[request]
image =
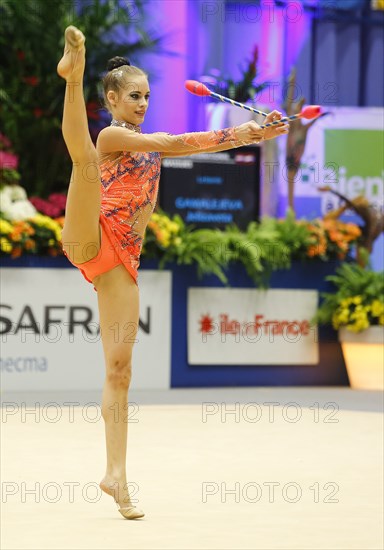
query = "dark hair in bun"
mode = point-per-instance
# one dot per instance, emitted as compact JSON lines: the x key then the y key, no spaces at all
{"x":117,"y":62}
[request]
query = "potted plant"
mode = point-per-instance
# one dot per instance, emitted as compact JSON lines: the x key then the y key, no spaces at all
{"x":245,"y":91}
{"x":356,"y":310}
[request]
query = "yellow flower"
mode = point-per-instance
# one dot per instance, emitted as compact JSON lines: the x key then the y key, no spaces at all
{"x":360,"y":325}
{"x":343,"y":315}
{"x":38,"y":218}
{"x":58,"y":233}
{"x":48,"y":223}
{"x":377,"y":308}
{"x":356,"y":300}
{"x":174,"y":228}
{"x":5,"y":245}
{"x":359,"y":314}
{"x":335,"y":321}
{"x":345,"y":302}
{"x":5,"y":227}
{"x":363,"y":324}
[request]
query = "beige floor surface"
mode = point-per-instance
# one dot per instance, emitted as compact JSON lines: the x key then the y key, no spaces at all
{"x":202,"y":484}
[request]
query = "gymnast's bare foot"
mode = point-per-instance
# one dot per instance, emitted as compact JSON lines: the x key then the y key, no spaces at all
{"x":119,"y":491}
{"x":71,"y":66}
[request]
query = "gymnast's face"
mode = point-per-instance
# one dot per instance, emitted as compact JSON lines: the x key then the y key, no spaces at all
{"x":132,"y":102}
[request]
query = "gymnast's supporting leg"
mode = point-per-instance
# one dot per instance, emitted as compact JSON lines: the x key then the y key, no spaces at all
{"x":118,"y":298}
{"x":81,"y":233}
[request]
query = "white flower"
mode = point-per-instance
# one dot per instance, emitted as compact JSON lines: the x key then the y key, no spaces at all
{"x":18,"y":193}
{"x":14,"y":203}
{"x":21,"y":210}
{"x":5,"y":198}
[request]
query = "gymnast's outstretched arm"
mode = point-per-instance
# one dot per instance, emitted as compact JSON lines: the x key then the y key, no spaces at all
{"x":114,"y":139}
{"x":214,"y":149}
{"x":267,"y":134}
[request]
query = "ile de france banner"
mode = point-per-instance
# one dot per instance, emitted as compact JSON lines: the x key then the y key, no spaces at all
{"x":252,"y":327}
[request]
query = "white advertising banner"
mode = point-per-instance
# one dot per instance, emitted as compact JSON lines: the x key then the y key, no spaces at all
{"x":343,"y":154}
{"x":344,"y":151}
{"x":50,"y":336}
{"x":251,"y":327}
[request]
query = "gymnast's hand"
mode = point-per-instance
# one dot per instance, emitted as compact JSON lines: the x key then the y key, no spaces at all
{"x":250,"y":132}
{"x":275,"y":131}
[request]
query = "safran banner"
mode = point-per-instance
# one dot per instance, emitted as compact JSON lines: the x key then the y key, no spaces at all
{"x":50,"y":335}
{"x":252,"y":327}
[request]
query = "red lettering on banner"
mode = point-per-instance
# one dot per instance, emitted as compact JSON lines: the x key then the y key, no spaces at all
{"x":304,"y":328}
{"x":266,"y":326}
{"x":229,"y":327}
{"x":206,"y":324}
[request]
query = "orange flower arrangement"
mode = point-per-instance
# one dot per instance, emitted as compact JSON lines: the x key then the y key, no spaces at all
{"x":318,"y":246}
{"x":331,"y":237}
{"x":37,"y":235}
{"x":60,"y":221}
{"x":169,"y":239}
{"x":340,"y":236}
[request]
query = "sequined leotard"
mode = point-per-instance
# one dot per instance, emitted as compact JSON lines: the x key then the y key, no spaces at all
{"x":129,"y":187}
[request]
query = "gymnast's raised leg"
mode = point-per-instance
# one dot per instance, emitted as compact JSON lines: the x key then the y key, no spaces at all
{"x":81,"y":239}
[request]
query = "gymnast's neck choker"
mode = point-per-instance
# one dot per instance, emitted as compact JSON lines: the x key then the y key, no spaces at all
{"x":126,"y":125}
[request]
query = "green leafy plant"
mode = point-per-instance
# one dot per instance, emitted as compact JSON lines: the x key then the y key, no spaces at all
{"x":265,"y":246}
{"x":258,"y":249}
{"x":31,"y":92}
{"x":296,"y":236}
{"x":171,"y":240}
{"x":242,"y":90}
{"x":358,"y":301}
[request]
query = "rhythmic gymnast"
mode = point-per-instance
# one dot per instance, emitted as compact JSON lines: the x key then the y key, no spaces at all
{"x":111,"y":196}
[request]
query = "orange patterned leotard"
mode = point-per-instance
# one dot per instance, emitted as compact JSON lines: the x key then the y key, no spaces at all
{"x":129,"y":187}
